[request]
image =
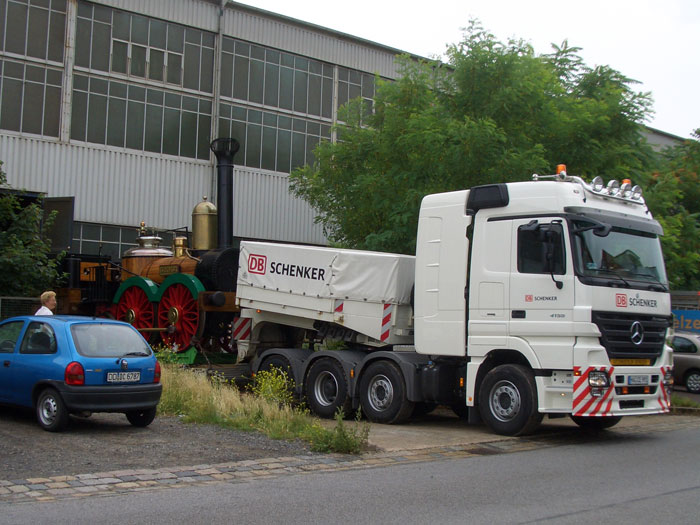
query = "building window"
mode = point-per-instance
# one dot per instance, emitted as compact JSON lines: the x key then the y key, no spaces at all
{"x":30,"y":98}
{"x":144,"y":48}
{"x":109,"y":240}
{"x":33,"y":28}
{"x":137,"y":117}
{"x":353,"y":84}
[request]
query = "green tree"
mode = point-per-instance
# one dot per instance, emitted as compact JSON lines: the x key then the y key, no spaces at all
{"x":674,"y":199}
{"x":26,"y":269}
{"x":496,"y":112}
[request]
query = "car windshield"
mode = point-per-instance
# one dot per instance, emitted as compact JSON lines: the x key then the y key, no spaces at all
{"x":622,"y":254}
{"x":108,"y":340}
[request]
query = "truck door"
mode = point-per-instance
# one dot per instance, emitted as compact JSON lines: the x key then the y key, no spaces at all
{"x":542,"y":290}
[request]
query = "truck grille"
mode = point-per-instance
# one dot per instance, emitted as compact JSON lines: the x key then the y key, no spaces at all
{"x":616,"y":334}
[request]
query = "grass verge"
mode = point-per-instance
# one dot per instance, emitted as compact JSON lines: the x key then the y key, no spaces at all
{"x":197,"y":398}
{"x":682,"y":402}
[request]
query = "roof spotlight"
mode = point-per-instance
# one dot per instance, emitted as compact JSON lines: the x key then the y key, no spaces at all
{"x":613,"y":187}
{"x":637,"y":193}
{"x":626,"y":189}
{"x":597,"y":184}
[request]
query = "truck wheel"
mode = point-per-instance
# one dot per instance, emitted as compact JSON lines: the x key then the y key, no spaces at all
{"x":327,"y":389}
{"x":508,"y":400}
{"x":51,"y":412}
{"x":279,"y":362}
{"x":383,"y":394}
{"x":596,"y":424}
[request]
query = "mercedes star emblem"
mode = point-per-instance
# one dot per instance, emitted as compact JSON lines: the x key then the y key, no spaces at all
{"x":637,"y":333}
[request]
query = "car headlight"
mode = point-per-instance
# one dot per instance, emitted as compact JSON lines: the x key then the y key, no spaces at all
{"x":598,"y":379}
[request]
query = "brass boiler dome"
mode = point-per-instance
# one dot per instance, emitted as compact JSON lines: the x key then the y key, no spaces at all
{"x":148,"y":250}
{"x":204,"y":226}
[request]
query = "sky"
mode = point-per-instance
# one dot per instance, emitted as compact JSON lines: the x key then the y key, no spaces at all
{"x":655,"y":43}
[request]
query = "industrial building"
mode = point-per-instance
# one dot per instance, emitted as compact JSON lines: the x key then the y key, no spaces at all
{"x":112,"y":104}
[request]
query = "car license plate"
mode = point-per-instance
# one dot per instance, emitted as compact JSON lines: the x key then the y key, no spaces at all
{"x":637,"y":380}
{"x":123,"y":377}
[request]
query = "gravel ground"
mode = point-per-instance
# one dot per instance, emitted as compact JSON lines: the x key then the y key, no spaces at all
{"x":106,"y":442}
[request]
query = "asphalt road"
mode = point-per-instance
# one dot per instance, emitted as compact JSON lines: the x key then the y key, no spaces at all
{"x":650,"y":476}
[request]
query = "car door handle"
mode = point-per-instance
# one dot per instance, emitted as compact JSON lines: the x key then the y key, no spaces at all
{"x":6,"y":363}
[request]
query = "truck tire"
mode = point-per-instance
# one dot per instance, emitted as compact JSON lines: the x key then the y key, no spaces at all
{"x":596,"y":424}
{"x":383,"y":394}
{"x":508,"y":400}
{"x":327,"y":389}
{"x":279,"y":362}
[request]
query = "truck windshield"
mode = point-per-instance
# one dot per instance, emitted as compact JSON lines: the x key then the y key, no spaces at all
{"x":630,"y":258}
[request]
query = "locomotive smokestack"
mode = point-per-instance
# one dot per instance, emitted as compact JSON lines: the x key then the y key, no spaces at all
{"x":225,"y":149}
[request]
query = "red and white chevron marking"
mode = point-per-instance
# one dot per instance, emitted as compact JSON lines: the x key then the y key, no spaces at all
{"x":664,"y":397}
{"x":386,"y":321}
{"x":241,"y":328}
{"x":339,"y":304}
{"x":584,"y":403}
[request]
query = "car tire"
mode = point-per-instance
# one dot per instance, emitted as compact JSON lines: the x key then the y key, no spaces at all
{"x":508,"y":400}
{"x":692,"y":381}
{"x":327,"y":389}
{"x":141,"y":418}
{"x":51,"y":412}
{"x":596,"y":424}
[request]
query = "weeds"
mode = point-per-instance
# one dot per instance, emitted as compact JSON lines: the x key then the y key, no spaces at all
{"x":683,"y":402}
{"x":197,"y":398}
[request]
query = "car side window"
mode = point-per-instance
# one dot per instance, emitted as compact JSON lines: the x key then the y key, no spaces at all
{"x":683,"y":346}
{"x":39,"y":339}
{"x":9,"y":333}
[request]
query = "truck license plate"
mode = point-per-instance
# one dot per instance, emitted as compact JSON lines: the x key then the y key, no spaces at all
{"x":637,"y":380}
{"x":123,"y":377}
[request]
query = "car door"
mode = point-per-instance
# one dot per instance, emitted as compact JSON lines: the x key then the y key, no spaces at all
{"x":685,"y":357}
{"x":10,"y":332}
{"x":35,"y":361}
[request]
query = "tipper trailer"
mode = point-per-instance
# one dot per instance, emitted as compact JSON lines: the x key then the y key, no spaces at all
{"x":523,"y":299}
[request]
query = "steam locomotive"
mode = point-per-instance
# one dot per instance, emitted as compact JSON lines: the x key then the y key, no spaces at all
{"x":183,"y":296}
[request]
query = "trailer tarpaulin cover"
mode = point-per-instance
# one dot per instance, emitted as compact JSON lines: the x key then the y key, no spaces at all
{"x":327,"y":272}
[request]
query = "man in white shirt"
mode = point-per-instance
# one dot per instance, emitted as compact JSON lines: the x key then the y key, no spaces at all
{"x":48,"y":303}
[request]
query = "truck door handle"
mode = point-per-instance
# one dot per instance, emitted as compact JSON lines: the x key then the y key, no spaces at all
{"x":518,"y":314}
{"x":6,"y":363}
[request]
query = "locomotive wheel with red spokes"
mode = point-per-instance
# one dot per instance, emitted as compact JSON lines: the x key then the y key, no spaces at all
{"x":178,"y":309}
{"x":135,"y":308}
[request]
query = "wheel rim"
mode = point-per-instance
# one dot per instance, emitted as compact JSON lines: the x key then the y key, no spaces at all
{"x":326,"y":388}
{"x":381,"y":393}
{"x":693,"y":382}
{"x":48,"y":410}
{"x":178,"y":309}
{"x":504,"y":401}
{"x":135,"y":308}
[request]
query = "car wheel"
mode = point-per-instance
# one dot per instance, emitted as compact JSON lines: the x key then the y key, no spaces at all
{"x":327,"y":389}
{"x":51,"y":412}
{"x":692,"y":381}
{"x":508,"y":400}
{"x":141,"y":418}
{"x":596,"y":424}
{"x":383,"y":394}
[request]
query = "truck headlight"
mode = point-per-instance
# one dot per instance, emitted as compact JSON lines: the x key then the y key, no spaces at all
{"x":598,"y":379}
{"x":668,"y":381}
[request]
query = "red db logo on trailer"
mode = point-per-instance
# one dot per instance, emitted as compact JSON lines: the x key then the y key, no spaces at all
{"x":257,"y":264}
{"x":621,"y":300}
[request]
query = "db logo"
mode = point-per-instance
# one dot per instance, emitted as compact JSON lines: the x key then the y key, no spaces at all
{"x":257,"y":264}
{"x":621,"y":300}
{"x":528,"y":298}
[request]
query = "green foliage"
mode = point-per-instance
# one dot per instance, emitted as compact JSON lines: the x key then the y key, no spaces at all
{"x":274,"y":385}
{"x":196,"y":397}
{"x":25,"y":266}
{"x":496,"y":113}
{"x":682,"y":402}
{"x":674,"y":199}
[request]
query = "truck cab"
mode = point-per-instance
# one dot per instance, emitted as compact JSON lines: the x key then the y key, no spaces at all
{"x":557,"y":286}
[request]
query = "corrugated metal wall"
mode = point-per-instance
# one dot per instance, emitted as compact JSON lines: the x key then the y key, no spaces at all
{"x":271,"y":30}
{"x":122,"y":187}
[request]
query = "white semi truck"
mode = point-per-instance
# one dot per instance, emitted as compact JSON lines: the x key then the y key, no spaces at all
{"x":523,"y":299}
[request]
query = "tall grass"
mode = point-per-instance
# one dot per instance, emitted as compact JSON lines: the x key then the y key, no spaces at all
{"x":197,"y":398}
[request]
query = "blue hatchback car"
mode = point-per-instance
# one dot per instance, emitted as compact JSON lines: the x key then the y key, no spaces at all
{"x":61,"y":365}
